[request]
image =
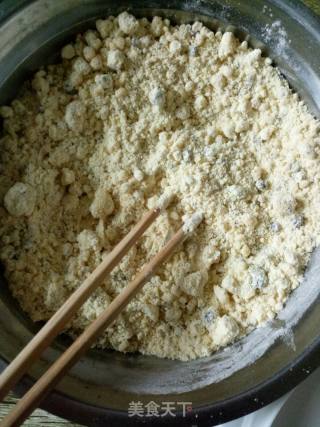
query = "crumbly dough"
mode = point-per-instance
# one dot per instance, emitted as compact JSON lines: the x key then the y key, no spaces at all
{"x":137,"y":109}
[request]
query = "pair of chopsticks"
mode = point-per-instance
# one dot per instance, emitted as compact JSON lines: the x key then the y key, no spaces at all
{"x":24,"y":360}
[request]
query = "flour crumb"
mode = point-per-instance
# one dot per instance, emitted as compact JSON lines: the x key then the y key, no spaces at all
{"x":115,"y":59}
{"x":20,"y":199}
{"x":102,"y":205}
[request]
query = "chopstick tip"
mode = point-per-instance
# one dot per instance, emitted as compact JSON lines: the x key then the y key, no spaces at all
{"x":164,"y":200}
{"x":192,"y":222}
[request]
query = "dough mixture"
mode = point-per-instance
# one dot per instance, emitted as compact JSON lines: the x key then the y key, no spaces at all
{"x":139,"y":108}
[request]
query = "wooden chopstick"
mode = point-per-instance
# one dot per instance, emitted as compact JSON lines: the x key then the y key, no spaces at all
{"x":54,"y":374}
{"x":23,"y":361}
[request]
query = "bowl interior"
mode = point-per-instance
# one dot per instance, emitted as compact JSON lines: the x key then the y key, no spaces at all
{"x":254,"y":367}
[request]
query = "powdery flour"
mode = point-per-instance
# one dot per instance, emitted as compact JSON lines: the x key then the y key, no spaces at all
{"x":137,"y":109}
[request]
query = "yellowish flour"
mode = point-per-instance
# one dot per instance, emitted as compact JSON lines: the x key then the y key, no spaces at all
{"x":134,"y":110}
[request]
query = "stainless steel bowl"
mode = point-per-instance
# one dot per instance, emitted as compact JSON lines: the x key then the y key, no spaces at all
{"x":255,"y":370}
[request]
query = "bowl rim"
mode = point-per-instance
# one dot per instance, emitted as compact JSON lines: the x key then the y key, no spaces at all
{"x":249,"y":401}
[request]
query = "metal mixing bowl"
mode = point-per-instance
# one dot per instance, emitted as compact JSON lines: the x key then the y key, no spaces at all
{"x":253,"y":371}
